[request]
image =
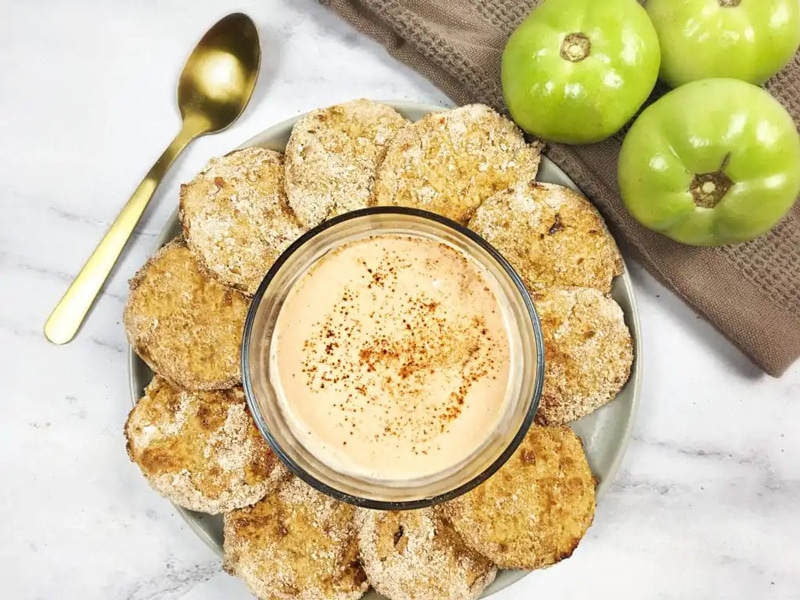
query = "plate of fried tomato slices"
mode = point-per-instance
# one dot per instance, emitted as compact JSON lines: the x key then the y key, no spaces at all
{"x":194,"y":440}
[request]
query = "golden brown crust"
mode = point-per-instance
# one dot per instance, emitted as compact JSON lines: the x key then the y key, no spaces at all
{"x":332,"y":156}
{"x":186,"y":327}
{"x":551,"y":235}
{"x":200,"y":449}
{"x":535,"y":510}
{"x":450,"y":162}
{"x":295,"y":544}
{"x":416,"y":554}
{"x":588,"y":352}
{"x":235,"y":216}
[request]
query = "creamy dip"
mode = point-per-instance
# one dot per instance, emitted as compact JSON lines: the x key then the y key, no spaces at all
{"x":390,"y":357}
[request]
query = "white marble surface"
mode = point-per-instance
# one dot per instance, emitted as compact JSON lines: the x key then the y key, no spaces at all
{"x":706,"y":503}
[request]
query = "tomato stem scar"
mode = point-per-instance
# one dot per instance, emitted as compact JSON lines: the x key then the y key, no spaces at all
{"x":575,"y":47}
{"x":708,"y":189}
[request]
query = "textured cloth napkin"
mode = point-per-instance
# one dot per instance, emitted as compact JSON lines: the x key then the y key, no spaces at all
{"x":751,"y":292}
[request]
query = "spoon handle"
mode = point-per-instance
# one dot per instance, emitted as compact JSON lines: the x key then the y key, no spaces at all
{"x":69,"y":313}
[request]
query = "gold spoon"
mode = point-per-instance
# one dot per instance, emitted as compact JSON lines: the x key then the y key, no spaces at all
{"x":215,"y":86}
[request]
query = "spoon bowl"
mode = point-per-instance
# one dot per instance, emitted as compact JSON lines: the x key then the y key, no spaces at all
{"x":220,"y":75}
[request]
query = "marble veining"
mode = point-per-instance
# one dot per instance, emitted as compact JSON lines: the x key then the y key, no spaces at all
{"x":705,"y":505}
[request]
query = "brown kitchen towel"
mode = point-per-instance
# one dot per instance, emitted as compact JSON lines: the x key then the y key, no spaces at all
{"x":751,"y":292}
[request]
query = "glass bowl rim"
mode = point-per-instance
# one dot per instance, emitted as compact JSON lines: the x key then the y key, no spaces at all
{"x":323,"y":487}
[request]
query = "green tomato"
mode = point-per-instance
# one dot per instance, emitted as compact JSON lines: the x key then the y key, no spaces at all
{"x":575,"y":71}
{"x":713,"y":162}
{"x":743,"y":39}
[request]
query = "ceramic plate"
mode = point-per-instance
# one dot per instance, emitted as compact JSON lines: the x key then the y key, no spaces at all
{"x":605,"y":433}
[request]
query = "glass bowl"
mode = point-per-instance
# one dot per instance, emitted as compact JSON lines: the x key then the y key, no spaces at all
{"x":526,"y":368}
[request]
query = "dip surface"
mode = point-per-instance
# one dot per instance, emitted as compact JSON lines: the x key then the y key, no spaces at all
{"x":390,"y":357}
